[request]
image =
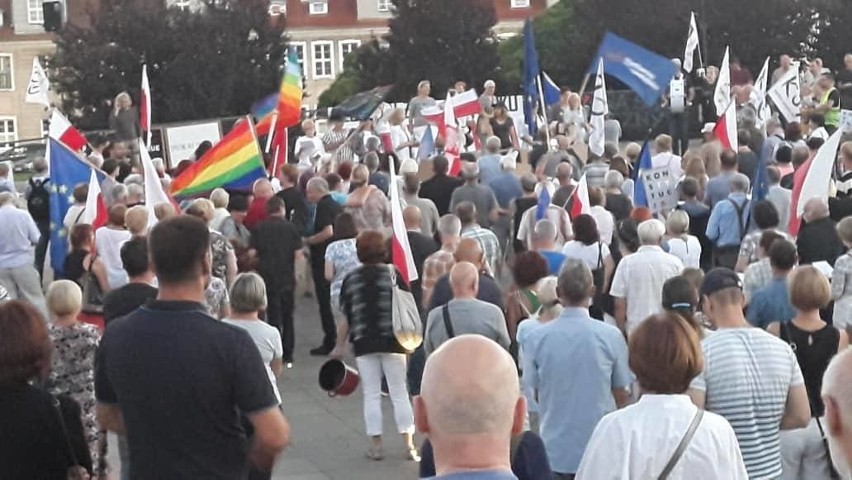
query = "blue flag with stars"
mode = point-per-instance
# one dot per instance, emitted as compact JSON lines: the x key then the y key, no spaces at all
{"x":67,"y":171}
{"x":531,"y":72}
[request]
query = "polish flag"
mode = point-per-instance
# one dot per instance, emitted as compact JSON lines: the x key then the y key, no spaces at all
{"x":383,"y":130}
{"x":726,"y":128}
{"x":466,"y":104}
{"x":580,"y":199}
{"x":433,"y":114}
{"x":450,"y":133}
{"x":813,"y":180}
{"x":154,"y":192}
{"x":95,"y":213}
{"x":279,"y":151}
{"x":403,"y":260}
{"x":60,"y":129}
{"x":145,"y":105}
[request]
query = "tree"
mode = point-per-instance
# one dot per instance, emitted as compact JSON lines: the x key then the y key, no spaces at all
{"x":206,"y":64}
{"x":834,"y":37}
{"x":439,"y":40}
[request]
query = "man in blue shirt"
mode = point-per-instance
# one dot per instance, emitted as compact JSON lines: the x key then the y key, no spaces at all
{"x":544,"y":242}
{"x":17,"y":237}
{"x":507,"y":188}
{"x":489,"y":162}
{"x":719,"y":186}
{"x":771,"y":303}
{"x":578,"y":368}
{"x":728,"y":223}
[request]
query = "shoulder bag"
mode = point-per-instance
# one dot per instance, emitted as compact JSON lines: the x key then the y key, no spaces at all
{"x":93,"y":296}
{"x":407,"y":327}
{"x":448,"y":324}
{"x":684,"y":442}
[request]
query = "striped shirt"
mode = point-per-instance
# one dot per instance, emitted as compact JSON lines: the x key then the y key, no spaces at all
{"x":747,"y":376}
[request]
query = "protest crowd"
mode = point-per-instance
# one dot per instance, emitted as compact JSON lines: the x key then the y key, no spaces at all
{"x":588,"y":308}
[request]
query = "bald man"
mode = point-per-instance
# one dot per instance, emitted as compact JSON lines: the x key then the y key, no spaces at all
{"x":469,"y":407}
{"x":468,"y":250}
{"x":837,"y":396}
{"x":818,"y":240}
{"x":421,"y":245}
{"x":465,"y":314}
{"x":262,"y":191}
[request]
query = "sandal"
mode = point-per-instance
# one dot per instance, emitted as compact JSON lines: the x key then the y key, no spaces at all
{"x":413,"y":455}
{"x":375,"y":453}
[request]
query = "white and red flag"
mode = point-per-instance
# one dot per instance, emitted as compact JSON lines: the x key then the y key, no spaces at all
{"x":726,"y":127}
{"x":60,"y":129}
{"x":95,"y":213}
{"x":154,"y":192}
{"x":145,"y":105}
{"x":449,"y":130}
{"x":580,"y":204}
{"x":403,"y":260}
{"x":813,"y":180}
{"x":722,"y":94}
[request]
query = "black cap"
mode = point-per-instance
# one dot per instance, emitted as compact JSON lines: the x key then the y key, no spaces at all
{"x":719,"y":279}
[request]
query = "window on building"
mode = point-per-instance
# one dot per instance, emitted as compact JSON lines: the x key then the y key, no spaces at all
{"x":347,"y":47}
{"x":520,"y":3}
{"x":384,"y":5}
{"x":300,"y":50}
{"x":35,"y":14}
{"x":322,"y":58}
{"x":318,"y":7}
{"x":8,"y":131}
{"x":6,"y":75}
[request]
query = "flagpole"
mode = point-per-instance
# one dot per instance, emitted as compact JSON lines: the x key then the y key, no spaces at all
{"x":271,"y":132}
{"x":543,"y":106}
{"x":583,"y":86}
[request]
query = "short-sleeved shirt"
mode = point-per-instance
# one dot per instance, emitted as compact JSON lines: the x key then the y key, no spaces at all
{"x":489,"y":292}
{"x":481,"y":196}
{"x":467,"y":316}
{"x":574,"y":363}
{"x":182,"y":379}
{"x":326,"y":212}
{"x":748,"y":247}
{"x":276,"y":241}
{"x":366,"y":300}
{"x":747,"y":376}
{"x":268,"y":341}
{"x":216,"y":297}
{"x":592,"y":255}
{"x":639,"y":279}
{"x":123,"y":300}
{"x":344,"y":256}
{"x":769,"y":304}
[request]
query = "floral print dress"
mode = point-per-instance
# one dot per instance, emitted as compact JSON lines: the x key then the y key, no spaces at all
{"x":72,"y":373}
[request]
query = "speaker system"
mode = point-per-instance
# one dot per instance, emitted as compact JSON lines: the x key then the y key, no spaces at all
{"x":52,"y":13}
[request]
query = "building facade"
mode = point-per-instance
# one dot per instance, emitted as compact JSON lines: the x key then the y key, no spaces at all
{"x":325,"y":31}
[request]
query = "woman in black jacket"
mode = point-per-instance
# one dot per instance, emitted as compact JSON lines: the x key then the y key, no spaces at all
{"x":42,"y":434}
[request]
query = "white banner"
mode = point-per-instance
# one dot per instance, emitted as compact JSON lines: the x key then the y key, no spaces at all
{"x":660,"y":189}
{"x":758,"y":96}
{"x":38,"y":89}
{"x":599,"y":110}
{"x":786,"y":96}
{"x":182,"y":141}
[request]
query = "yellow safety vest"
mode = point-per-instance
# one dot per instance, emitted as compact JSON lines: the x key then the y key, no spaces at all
{"x":832,"y":117}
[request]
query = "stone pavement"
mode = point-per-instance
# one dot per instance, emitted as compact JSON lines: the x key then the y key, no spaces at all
{"x":328,"y":439}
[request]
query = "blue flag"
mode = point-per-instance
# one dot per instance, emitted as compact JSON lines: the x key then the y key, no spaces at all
{"x":264,"y":106}
{"x":640,"y":197}
{"x":761,"y":181}
{"x":427,"y":145}
{"x":531,"y":72}
{"x":67,"y":171}
{"x":550,"y":90}
{"x":543,"y":202}
{"x":645,"y":72}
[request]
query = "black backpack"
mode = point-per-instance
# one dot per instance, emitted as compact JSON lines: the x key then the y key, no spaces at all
{"x":38,"y":201}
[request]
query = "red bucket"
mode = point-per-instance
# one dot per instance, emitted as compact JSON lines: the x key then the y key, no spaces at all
{"x":337,"y":378}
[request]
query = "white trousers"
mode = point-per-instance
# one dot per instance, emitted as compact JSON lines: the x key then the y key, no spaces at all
{"x":372,"y":367}
{"x":23,"y":283}
{"x":803,"y":455}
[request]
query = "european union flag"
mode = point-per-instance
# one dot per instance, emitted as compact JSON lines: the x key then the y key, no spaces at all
{"x":543,"y":202}
{"x":640,"y":197}
{"x":645,"y":72}
{"x":550,"y":90}
{"x":67,"y":171}
{"x":531,"y":72}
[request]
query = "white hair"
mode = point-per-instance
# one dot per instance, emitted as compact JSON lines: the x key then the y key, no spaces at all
{"x":651,"y":232}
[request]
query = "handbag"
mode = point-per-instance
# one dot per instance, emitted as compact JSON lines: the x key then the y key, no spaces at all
{"x":93,"y":296}
{"x":684,"y":442}
{"x":77,"y":471}
{"x":407,"y":327}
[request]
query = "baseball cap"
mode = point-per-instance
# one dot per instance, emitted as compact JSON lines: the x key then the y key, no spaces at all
{"x":719,"y":279}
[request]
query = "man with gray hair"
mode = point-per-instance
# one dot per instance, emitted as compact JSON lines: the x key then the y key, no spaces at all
{"x":728,"y":223}
{"x":575,"y":364}
{"x":489,"y":162}
{"x":555,"y":213}
{"x":469,"y":408}
{"x":466,"y":211}
{"x":119,"y":194}
{"x":439,"y":263}
{"x":837,"y":397}
{"x":480,"y":195}
{"x":379,"y":179}
{"x":544,"y":242}
{"x":326,"y":212}
{"x":135,"y":195}
{"x":428,"y":211}
{"x":638,"y":282}
{"x":818,"y":239}
{"x":18,"y":235}
{"x":619,"y":204}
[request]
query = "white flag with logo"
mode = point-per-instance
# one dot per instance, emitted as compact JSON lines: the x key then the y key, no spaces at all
{"x":786,"y":96}
{"x":38,"y":90}
{"x":722,"y":95}
{"x":758,"y":96}
{"x":600,"y":108}
{"x":691,"y":44}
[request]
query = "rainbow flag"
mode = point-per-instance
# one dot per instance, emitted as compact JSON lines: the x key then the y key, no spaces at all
{"x":290,"y":93}
{"x":234,"y":164}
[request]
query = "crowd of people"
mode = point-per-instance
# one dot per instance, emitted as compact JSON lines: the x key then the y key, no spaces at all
{"x":704,"y":341}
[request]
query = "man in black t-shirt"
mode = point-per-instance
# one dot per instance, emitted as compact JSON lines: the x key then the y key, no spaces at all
{"x":440,"y":187}
{"x":179,"y":381}
{"x":276,"y":243}
{"x":326,"y":212}
{"x":138,"y":291}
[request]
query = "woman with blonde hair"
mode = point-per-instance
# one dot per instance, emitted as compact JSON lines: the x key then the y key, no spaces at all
{"x":72,"y":369}
{"x":124,"y":121}
{"x":681,"y":244}
{"x":136,"y":221}
{"x":220,"y":198}
{"x":224,"y":264}
{"x":693,"y":166}
{"x":403,"y":143}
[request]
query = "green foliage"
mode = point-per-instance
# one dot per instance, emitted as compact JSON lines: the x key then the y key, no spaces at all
{"x":200,"y":65}
{"x":835,"y":36}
